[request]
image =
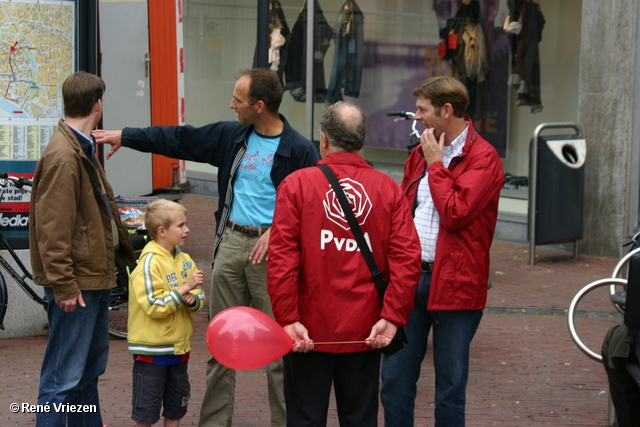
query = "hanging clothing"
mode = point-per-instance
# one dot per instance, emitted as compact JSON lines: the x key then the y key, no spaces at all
{"x":277,"y":40}
{"x":525,"y":60}
{"x":278,"y":35}
{"x":296,"y":67}
{"x":464,"y":43}
{"x":476,"y":61}
{"x":346,"y":71}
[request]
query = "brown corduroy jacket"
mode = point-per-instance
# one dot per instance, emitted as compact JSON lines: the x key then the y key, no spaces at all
{"x":70,"y":233}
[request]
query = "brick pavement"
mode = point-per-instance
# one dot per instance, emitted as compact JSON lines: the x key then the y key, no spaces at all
{"x":525,"y":370}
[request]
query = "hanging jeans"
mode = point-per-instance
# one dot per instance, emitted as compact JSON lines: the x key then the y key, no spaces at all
{"x":346,"y":71}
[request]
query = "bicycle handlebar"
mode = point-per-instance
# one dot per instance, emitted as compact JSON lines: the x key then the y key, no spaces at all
{"x":414,"y":136}
{"x":18,"y":182}
{"x":407,"y":115}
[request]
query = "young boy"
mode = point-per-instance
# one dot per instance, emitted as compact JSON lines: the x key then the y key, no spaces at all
{"x":164,"y":289}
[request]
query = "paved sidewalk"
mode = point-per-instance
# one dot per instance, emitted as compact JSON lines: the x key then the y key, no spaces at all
{"x":525,"y":369}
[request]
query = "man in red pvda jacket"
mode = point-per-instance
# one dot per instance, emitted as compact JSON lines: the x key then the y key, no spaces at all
{"x":320,"y":286}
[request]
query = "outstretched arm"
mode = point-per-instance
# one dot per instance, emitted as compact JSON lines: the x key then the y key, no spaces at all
{"x":111,"y":137}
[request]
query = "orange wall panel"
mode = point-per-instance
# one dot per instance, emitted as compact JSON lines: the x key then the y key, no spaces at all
{"x":164,"y":79}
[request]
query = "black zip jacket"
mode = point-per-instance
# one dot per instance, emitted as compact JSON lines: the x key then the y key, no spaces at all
{"x":222,"y":144}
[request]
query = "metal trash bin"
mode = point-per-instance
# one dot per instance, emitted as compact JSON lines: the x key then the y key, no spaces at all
{"x":556,"y":191}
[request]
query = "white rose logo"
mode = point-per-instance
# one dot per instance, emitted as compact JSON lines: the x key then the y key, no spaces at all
{"x":358,"y":200}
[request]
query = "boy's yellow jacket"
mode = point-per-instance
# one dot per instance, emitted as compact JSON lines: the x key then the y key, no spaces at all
{"x":159,"y":320}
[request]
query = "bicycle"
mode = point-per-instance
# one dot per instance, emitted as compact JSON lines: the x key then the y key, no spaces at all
{"x":119,"y":295}
{"x":414,"y":136}
{"x":618,"y":299}
{"x":615,"y":282}
{"x":119,"y":302}
{"x":21,"y":279}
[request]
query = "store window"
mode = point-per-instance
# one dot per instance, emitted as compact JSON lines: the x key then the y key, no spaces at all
{"x":399,"y":49}
{"x":559,"y":58}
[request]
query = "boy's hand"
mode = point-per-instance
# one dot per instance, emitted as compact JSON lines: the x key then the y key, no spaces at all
{"x":196,"y":279}
{"x":189,"y":299}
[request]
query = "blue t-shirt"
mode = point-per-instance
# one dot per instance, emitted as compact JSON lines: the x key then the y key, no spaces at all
{"x":254,"y":193}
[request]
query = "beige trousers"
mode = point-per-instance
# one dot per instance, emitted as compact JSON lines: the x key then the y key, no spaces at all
{"x":236,"y":282}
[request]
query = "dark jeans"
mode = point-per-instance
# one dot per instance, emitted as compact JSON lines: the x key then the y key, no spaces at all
{"x":452,"y":335}
{"x":76,"y":355}
{"x":307,"y":387}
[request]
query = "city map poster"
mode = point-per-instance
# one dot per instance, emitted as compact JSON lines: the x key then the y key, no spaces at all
{"x":37,"y":53}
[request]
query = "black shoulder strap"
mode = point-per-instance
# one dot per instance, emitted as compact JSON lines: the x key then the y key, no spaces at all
{"x":355,"y":229}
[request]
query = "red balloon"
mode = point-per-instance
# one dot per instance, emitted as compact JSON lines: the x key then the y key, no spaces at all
{"x":244,"y":338}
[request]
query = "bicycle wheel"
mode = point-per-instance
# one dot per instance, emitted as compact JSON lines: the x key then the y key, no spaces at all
{"x":621,"y":269}
{"x":118,"y":304}
{"x":571,"y":314}
{"x":4,"y":299}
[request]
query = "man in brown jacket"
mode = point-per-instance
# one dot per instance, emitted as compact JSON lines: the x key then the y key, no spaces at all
{"x":75,"y":233}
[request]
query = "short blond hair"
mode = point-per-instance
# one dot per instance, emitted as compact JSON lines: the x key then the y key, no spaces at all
{"x":161,"y":213}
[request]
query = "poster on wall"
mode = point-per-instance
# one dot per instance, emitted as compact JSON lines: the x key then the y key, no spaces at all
{"x":37,"y":52}
{"x":15,"y":202}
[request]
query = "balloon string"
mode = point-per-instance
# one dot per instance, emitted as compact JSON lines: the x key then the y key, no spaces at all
{"x":339,"y":342}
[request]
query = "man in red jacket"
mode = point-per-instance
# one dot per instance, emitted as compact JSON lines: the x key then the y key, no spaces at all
{"x":321,"y":289}
{"x":452,"y":180}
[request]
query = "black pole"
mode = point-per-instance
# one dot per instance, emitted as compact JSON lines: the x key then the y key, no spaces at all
{"x":87,"y":13}
{"x":88,"y":45}
{"x":262,"y":46}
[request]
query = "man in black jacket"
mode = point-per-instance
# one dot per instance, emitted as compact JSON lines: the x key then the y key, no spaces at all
{"x":253,"y":156}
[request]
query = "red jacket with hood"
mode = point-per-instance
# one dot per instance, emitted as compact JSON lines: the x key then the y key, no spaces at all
{"x":316,"y":273}
{"x":466,"y":197}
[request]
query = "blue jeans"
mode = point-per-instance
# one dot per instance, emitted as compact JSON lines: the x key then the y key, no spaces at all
{"x":452,"y":335}
{"x":76,"y":355}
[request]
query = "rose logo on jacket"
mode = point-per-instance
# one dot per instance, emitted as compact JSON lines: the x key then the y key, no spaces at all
{"x":358,"y":199}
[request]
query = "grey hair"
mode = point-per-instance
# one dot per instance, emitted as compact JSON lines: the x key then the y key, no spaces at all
{"x":345,"y":126}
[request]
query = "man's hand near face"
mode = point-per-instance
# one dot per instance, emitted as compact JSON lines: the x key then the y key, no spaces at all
{"x":433,"y":149}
